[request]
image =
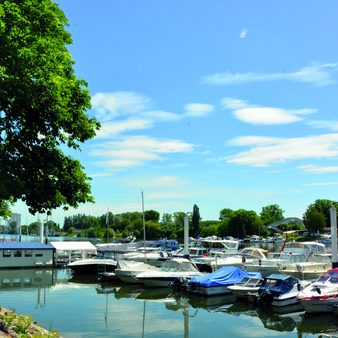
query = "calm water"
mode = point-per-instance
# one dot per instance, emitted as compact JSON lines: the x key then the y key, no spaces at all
{"x":82,"y":307}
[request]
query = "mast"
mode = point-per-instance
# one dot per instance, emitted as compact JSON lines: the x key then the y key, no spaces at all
{"x":144,"y":227}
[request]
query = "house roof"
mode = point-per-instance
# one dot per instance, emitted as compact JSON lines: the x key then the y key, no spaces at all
{"x":25,"y":246}
{"x":73,"y":245}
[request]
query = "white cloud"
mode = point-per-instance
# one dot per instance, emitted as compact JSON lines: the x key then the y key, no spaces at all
{"x":322,"y":184}
{"x":316,"y":74}
{"x":198,"y":109}
{"x":331,"y":125}
{"x":108,"y":106}
{"x":259,"y":115}
{"x":161,"y":115}
{"x":319,"y":170}
{"x":135,"y":151}
{"x":112,"y":129}
{"x":243,"y":33}
{"x":282,"y":150}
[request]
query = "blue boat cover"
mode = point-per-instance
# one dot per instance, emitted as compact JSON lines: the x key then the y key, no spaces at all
{"x":228,"y":275}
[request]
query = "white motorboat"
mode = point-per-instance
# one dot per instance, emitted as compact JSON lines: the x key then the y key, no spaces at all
{"x":216,"y":260}
{"x":293,"y":253}
{"x":312,"y":269}
{"x":322,"y":295}
{"x":154,"y":257}
{"x":247,"y":288}
{"x":169,"y":273}
{"x":280,"y":290}
{"x":127,"y":270}
{"x":103,"y":262}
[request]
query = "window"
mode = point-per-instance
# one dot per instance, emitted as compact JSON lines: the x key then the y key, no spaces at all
{"x":7,"y":253}
{"x":17,"y":253}
{"x":38,"y":255}
{"x":28,"y":253}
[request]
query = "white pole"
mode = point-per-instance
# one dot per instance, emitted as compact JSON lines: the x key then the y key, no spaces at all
{"x":41,"y":231}
{"x":333,"y":217}
{"x":186,"y":235}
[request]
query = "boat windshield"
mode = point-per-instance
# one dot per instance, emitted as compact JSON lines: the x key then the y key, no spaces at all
{"x":329,"y":276}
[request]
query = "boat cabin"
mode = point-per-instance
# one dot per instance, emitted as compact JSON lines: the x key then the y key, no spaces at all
{"x":26,"y":255}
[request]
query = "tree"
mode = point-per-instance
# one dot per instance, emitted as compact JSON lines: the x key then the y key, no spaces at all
{"x":243,"y":223}
{"x":314,"y":220}
{"x":195,"y":221}
{"x":323,"y":206}
{"x":225,"y":213}
{"x":151,"y":215}
{"x":271,"y":213}
{"x":42,"y":108}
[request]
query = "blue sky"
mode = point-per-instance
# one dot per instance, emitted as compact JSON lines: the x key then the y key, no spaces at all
{"x":223,"y":104}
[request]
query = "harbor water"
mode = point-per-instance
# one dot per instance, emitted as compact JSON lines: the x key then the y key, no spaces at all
{"x":80,"y":306}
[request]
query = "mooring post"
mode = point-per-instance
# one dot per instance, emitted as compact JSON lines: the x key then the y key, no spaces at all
{"x":333,"y":217}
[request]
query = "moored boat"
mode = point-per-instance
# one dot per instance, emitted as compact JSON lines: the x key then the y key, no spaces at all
{"x":321,"y":295}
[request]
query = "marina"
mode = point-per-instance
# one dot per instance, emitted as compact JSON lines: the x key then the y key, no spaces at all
{"x":80,"y":306}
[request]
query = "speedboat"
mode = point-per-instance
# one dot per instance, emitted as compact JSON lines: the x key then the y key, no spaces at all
{"x":171,"y":270}
{"x":217,"y":283}
{"x":247,"y":288}
{"x":215,"y":261}
{"x":322,"y":295}
{"x":280,"y":290}
{"x":103,"y":262}
{"x":127,"y":270}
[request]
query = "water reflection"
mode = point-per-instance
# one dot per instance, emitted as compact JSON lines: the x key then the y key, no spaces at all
{"x":113,"y":309}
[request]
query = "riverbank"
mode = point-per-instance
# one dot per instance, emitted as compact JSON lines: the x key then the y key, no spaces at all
{"x":15,"y":325}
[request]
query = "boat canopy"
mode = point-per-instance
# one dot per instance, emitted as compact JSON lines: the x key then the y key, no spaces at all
{"x":228,"y":275}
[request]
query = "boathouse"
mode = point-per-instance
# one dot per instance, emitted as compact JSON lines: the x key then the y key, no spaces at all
{"x":26,"y":255}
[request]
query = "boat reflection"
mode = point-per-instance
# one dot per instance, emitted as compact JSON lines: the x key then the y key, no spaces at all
{"x":26,"y":278}
{"x":317,"y":323}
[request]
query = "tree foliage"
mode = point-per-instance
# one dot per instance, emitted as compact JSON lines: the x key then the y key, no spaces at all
{"x":42,"y":107}
{"x":195,"y":221}
{"x":271,"y":213}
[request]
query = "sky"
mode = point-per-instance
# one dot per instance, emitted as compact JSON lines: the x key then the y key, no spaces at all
{"x":222,"y":104}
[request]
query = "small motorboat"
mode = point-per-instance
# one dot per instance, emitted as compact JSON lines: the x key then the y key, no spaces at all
{"x":165,"y":276}
{"x":280,"y":290}
{"x":127,"y":270}
{"x":322,"y":295}
{"x":217,"y":283}
{"x":247,"y":288}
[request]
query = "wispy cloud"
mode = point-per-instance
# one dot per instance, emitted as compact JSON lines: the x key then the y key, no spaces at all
{"x":112,"y":129}
{"x":160,"y":115}
{"x":198,"y":109}
{"x":135,"y":151}
{"x":109,"y":106}
{"x":260,"y":115}
{"x":313,"y":169}
{"x":243,"y":34}
{"x":316,"y":74}
{"x":286,"y":149}
{"x":322,"y":184}
{"x":330,"y":125}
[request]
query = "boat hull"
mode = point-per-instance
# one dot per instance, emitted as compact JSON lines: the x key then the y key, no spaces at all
{"x":320,"y":305}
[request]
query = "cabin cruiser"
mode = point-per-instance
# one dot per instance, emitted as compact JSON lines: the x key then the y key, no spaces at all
{"x":217,"y":283}
{"x":312,"y":268}
{"x":322,"y":295}
{"x":292,"y":253}
{"x":217,"y":244}
{"x":170,"y":271}
{"x":280,"y":290}
{"x":216,"y":260}
{"x":103,"y":262}
{"x":126,"y":270}
{"x":247,"y":288}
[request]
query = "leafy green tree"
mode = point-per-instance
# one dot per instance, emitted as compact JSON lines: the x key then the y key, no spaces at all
{"x":271,"y":213}
{"x":244,"y":222}
{"x":323,"y":206}
{"x":151,"y":215}
{"x":42,"y":109}
{"x":314,"y":220}
{"x":195,"y":221}
{"x":225,"y":213}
